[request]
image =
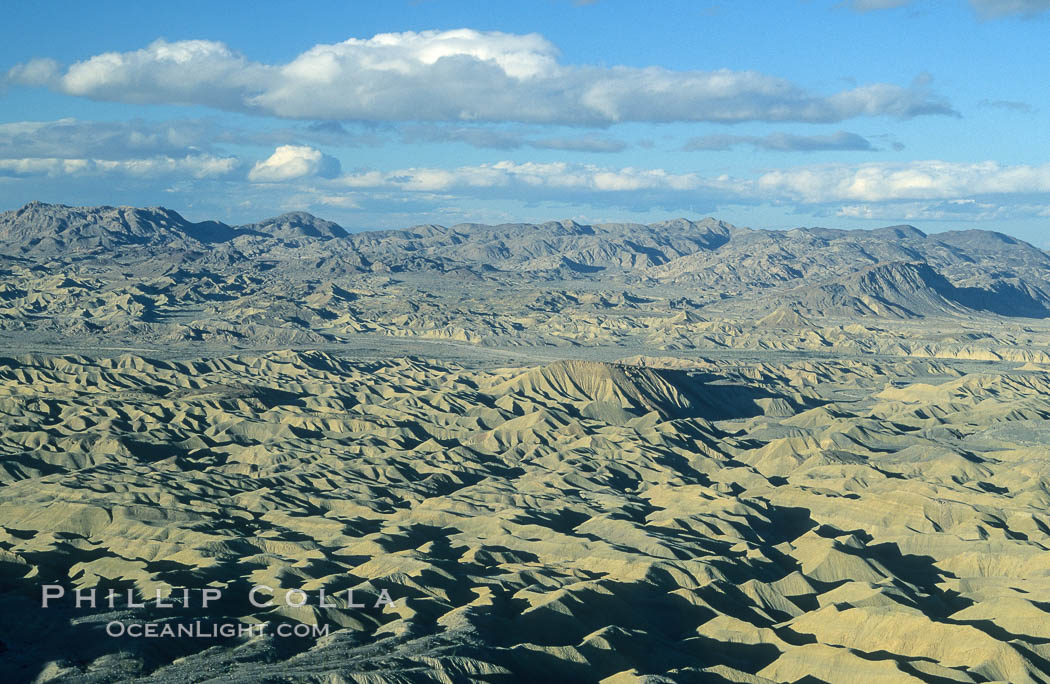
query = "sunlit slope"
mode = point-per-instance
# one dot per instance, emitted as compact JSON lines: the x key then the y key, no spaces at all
{"x":578,"y":521}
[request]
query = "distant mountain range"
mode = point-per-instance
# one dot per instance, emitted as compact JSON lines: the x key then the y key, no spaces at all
{"x":301,"y":277}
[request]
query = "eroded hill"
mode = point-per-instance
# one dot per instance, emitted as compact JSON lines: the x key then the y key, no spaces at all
{"x":578,"y":521}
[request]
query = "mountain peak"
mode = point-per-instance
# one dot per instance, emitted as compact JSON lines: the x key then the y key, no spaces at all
{"x":296,"y":225}
{"x":38,"y":227}
{"x":901,"y":232}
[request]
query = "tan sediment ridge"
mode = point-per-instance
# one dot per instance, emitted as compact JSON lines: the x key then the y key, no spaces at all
{"x":574,"y":521}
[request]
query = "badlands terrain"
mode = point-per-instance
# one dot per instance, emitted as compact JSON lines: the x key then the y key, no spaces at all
{"x":683,"y":451}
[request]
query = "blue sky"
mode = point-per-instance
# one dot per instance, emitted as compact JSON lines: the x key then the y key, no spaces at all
{"x":387,"y":114}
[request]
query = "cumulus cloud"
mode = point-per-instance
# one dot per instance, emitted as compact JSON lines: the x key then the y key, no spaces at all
{"x":136,"y":139}
{"x":182,"y":72}
{"x":289,"y":162}
{"x":632,"y":188}
{"x":817,"y":184}
{"x":879,"y":182}
{"x":35,"y":72}
{"x":916,"y":190}
{"x":922,"y":189}
{"x":460,"y":75}
{"x":783,"y":142}
{"x":550,"y":175}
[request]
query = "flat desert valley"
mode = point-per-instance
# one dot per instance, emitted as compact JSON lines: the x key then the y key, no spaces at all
{"x":675,"y":452}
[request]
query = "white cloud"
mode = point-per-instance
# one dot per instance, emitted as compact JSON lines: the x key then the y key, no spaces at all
{"x":461,"y":75}
{"x":917,"y":189}
{"x":959,"y":210}
{"x":195,"y":166}
{"x":871,"y":182}
{"x":289,"y":162}
{"x":135,"y":139}
{"x":183,"y":72}
{"x":879,"y":182}
{"x":35,"y":72}
{"x":910,"y":191}
{"x":922,"y":190}
{"x":341,"y":201}
{"x":533,"y":175}
{"x":822,"y":184}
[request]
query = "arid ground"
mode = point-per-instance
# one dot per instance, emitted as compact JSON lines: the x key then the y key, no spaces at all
{"x":683,"y":451}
